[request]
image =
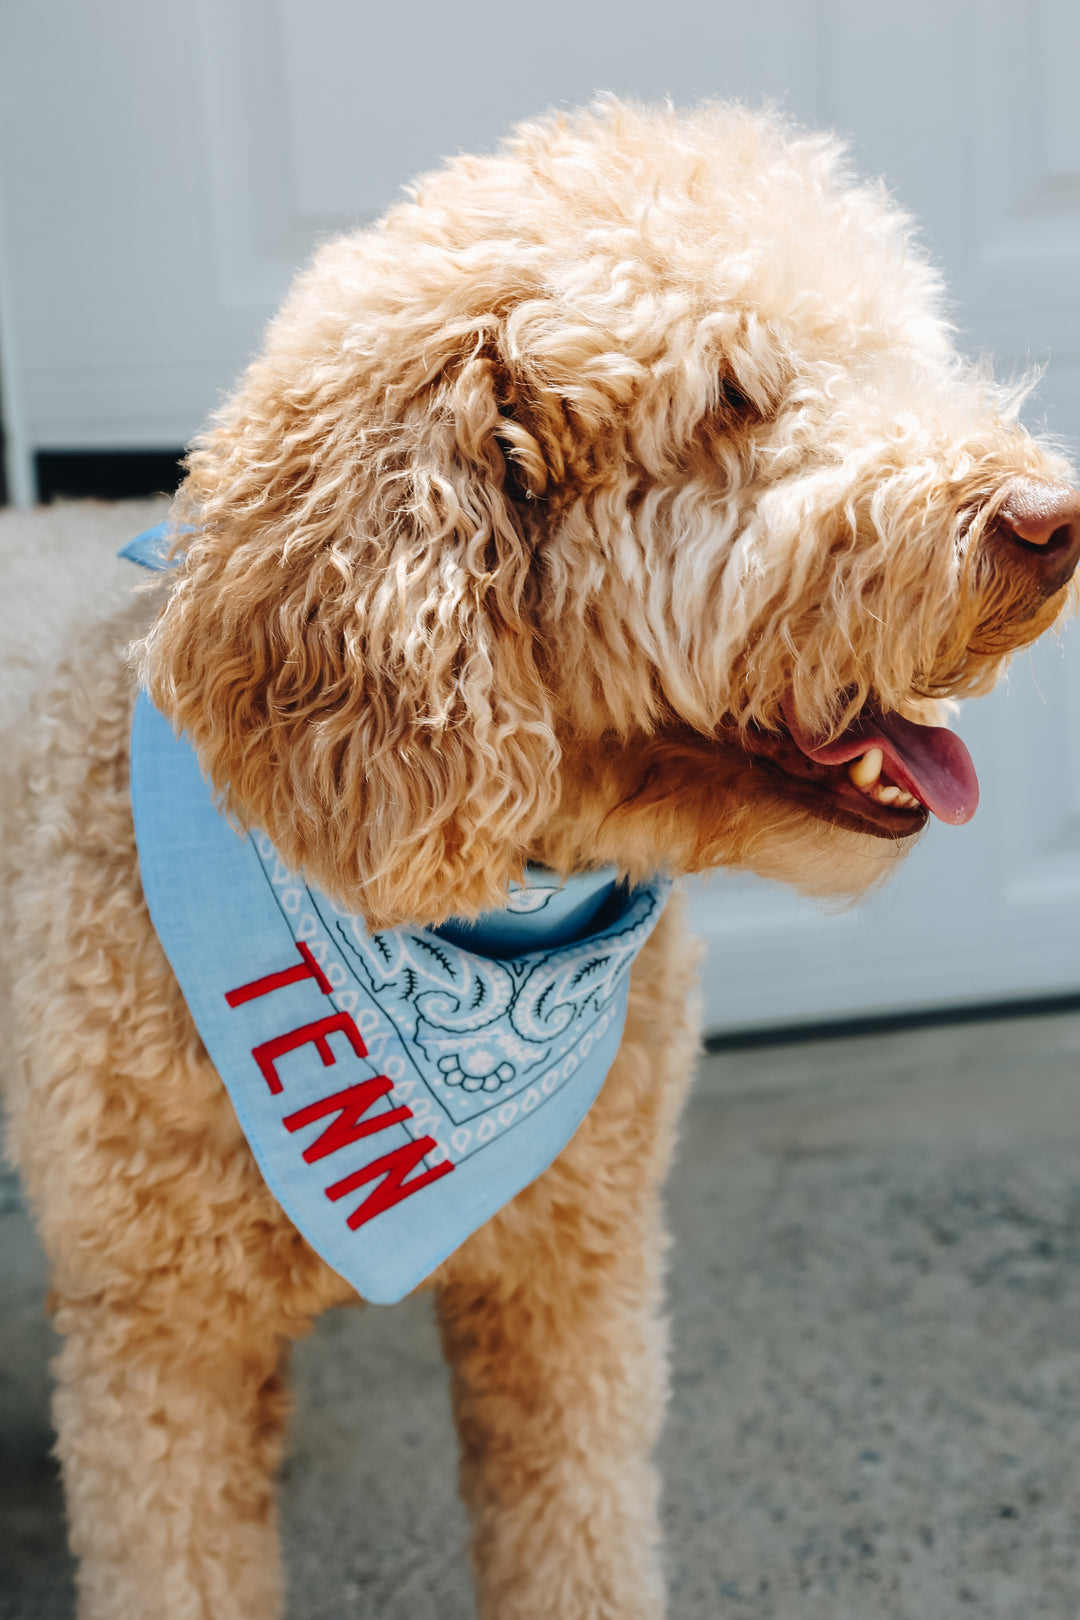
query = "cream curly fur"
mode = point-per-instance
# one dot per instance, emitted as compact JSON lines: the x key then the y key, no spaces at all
{"x":544,"y":497}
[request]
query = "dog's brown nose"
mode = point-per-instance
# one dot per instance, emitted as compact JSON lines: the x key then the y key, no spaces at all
{"x":1038,"y":523}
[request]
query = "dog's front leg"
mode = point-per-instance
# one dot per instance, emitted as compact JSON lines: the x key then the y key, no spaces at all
{"x":169,"y":1435}
{"x":552,"y":1324}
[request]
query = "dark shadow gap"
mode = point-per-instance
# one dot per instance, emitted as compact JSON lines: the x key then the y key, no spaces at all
{"x":106,"y":475}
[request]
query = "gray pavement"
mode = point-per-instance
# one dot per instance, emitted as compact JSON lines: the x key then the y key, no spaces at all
{"x":876,"y":1411}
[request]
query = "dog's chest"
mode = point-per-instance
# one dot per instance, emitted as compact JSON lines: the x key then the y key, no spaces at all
{"x":396,"y":1088}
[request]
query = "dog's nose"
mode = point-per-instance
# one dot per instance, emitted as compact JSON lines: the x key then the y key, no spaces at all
{"x":1038,"y":525}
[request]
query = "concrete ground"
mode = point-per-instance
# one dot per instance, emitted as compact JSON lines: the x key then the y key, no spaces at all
{"x":876,"y":1409}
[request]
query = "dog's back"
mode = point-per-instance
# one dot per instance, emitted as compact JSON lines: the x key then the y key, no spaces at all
{"x":59,"y":575}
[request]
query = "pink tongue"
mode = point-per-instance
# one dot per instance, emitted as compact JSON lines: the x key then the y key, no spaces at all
{"x":929,"y":761}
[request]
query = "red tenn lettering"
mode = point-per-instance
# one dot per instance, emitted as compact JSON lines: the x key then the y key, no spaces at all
{"x":306,"y":969}
{"x":393,"y":1167}
{"x":268,"y":1052}
{"x":348,"y":1127}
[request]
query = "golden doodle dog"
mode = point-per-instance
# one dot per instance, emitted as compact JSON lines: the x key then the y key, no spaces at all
{"x":618,"y":502}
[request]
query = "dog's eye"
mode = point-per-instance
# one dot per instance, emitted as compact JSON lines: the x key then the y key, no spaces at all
{"x":524,"y":471}
{"x":733,"y":403}
{"x":732,"y":413}
{"x":514,"y":482}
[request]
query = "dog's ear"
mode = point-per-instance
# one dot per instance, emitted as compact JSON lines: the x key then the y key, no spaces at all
{"x":350,"y":644}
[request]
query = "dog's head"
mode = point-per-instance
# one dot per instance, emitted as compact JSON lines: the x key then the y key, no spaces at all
{"x":609,"y":501}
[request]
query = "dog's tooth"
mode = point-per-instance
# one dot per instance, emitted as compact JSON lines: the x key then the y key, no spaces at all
{"x":908,"y":800}
{"x":888,"y":795}
{"x":866,"y":770}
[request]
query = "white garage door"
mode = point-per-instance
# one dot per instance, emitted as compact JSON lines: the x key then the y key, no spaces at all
{"x":165,"y":169}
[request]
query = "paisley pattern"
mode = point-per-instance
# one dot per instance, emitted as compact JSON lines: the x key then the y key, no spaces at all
{"x":475,"y":1026}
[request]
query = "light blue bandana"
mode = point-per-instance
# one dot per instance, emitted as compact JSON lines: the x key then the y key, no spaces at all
{"x":396,"y":1088}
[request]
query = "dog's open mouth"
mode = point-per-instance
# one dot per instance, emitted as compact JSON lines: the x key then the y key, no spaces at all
{"x":884,"y":774}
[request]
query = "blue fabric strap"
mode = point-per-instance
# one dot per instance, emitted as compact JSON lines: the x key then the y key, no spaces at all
{"x":151,"y":548}
{"x":397,"y":1088}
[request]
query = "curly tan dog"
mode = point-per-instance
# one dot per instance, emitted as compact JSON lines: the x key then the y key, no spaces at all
{"x":618,"y":499}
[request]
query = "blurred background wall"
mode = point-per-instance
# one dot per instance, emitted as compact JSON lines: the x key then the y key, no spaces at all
{"x":164,"y":168}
